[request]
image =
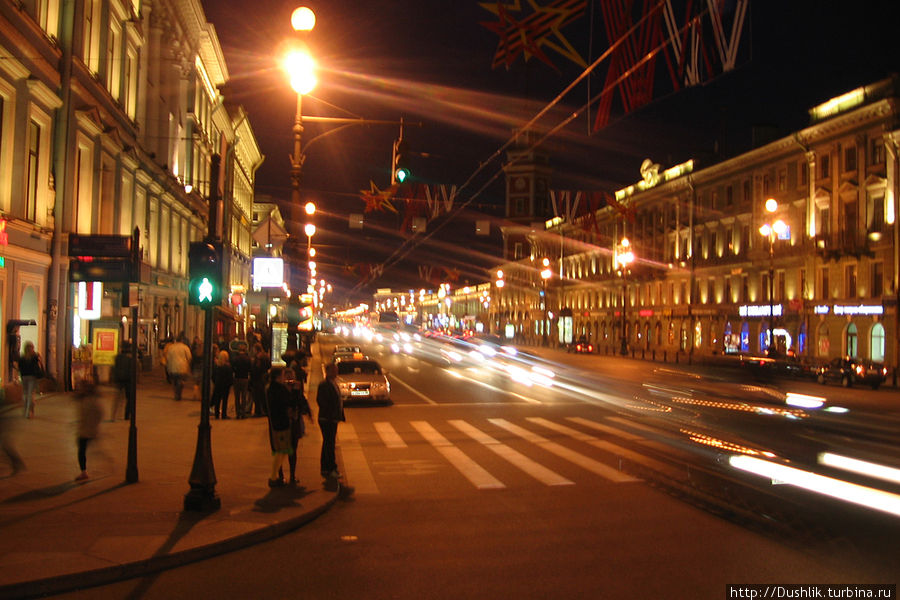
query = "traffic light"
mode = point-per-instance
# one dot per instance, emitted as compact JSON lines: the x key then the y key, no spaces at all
{"x":400,"y":166}
{"x":205,"y":260}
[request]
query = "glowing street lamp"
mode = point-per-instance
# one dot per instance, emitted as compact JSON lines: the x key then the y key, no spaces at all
{"x":546,"y":273}
{"x":624,"y":257}
{"x":772,"y":232}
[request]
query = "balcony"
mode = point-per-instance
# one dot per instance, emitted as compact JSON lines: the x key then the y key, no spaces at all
{"x":836,"y":246}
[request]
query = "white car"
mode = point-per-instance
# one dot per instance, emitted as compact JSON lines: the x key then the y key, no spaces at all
{"x":363,"y":381}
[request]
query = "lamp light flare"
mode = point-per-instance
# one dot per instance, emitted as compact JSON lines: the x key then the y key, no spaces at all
{"x":303,"y":19}
{"x":301,"y":67}
{"x":309,"y":229}
{"x":771,"y":205}
{"x":310,"y":208}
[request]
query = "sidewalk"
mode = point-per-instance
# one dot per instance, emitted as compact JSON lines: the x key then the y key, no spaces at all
{"x":58,"y":534}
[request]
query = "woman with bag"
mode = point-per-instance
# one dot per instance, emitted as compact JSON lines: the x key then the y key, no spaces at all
{"x":31,"y":369}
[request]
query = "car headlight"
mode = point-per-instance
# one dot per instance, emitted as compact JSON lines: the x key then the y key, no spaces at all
{"x":344,"y":386}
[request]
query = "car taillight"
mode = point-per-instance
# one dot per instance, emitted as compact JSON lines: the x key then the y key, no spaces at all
{"x":884,"y":371}
{"x":590,"y":348}
{"x":860,"y":370}
{"x":578,"y":347}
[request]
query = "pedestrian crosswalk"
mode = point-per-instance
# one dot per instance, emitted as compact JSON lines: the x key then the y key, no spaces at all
{"x":387,"y":448}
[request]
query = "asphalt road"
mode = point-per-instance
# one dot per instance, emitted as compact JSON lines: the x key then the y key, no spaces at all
{"x":472,"y":486}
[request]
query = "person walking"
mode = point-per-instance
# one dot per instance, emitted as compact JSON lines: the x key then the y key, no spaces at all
{"x":260,"y":367}
{"x":30,"y":369}
{"x":10,"y":402}
{"x":278,"y":400}
{"x":222,"y":377}
{"x":178,"y":364}
{"x":240,"y":367}
{"x":91,"y":413}
{"x":122,"y":375}
{"x":299,"y":408}
{"x":196,"y":367}
{"x":331,"y":412}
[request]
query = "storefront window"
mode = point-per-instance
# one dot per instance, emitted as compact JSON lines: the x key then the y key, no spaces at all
{"x":801,"y":340}
{"x":824,"y":343}
{"x":852,"y":340}
{"x":877,"y":344}
{"x":745,"y":337}
{"x":764,"y":337}
{"x":671,"y":333}
{"x":685,"y":330}
{"x":698,"y":334}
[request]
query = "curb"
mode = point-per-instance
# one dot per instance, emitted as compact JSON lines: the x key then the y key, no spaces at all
{"x":148,"y":566}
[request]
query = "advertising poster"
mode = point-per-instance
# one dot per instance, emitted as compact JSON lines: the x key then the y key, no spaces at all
{"x":106,"y":345}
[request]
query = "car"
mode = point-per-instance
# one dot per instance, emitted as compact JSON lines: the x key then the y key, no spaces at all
{"x":339,"y":356}
{"x":363,"y":381}
{"x":849,"y":371}
{"x":346,"y":350}
{"x":581,"y":346}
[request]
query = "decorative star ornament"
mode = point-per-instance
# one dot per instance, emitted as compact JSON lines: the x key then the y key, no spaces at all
{"x":378,"y":200}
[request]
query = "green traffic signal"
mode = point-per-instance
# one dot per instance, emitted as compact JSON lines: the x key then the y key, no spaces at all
{"x":205,"y":262}
{"x":401,"y":175}
{"x":400,"y":170}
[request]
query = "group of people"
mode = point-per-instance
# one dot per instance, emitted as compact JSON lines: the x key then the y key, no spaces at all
{"x":260,"y":389}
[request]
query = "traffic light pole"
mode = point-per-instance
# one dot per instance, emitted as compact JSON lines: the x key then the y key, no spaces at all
{"x":202,"y":496}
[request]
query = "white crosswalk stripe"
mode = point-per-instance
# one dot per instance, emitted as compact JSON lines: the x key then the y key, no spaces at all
{"x":536,"y":470}
{"x":389,"y":435}
{"x":471,"y":470}
{"x":360,"y":476}
{"x":356,"y":469}
{"x":594,"y":466}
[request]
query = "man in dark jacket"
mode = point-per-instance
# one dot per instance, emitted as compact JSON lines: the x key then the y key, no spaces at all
{"x":331,"y":412}
{"x":241,"y":365}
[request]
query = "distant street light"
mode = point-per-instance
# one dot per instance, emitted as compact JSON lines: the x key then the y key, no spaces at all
{"x":546,"y":274}
{"x":772,"y":231}
{"x":624,"y":257}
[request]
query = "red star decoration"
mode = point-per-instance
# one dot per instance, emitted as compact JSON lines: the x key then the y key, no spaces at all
{"x":378,"y":200}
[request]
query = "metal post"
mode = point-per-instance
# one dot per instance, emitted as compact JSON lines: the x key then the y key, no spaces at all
{"x":202,"y":496}
{"x":624,"y":349}
{"x":131,"y":471}
{"x":771,"y":294}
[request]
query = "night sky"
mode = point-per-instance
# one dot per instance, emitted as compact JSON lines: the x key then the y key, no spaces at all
{"x":429,"y":61}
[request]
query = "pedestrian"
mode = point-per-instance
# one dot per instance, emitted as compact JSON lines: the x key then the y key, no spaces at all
{"x":259,"y":369}
{"x":196,"y":367}
{"x":299,"y":408}
{"x":278,"y":400}
{"x":91,"y":413}
{"x":331,"y":412}
{"x":222,"y":378}
{"x":31,"y":370}
{"x":178,"y":364}
{"x":240,"y":367}
{"x":123,"y":372}
{"x":10,"y":402}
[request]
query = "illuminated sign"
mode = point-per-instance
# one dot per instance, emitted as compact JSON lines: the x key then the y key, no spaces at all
{"x":860,"y":309}
{"x":90,"y":294}
{"x":652,"y":178}
{"x":760,"y":310}
{"x":4,"y":236}
{"x":822,"y":309}
{"x":268,"y":272}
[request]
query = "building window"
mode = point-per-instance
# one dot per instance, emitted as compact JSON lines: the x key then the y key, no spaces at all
{"x":877,"y":280}
{"x":782,"y":180}
{"x":803,"y":166}
{"x":729,"y":196}
{"x":745,"y":288}
{"x":779,"y":286}
{"x":852,"y":341}
{"x":804,"y":293}
{"x":849,"y":159}
{"x":823,"y":221}
{"x":729,"y":298}
{"x":876,"y":350}
{"x":825,"y":166}
{"x":31,"y":183}
{"x":824,"y":284}
{"x":766,"y":185}
{"x":877,"y":152}
{"x":876,"y":217}
{"x":748,"y":192}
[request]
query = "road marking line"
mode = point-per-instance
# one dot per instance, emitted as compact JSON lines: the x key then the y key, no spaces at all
{"x":581,"y":460}
{"x":471,"y":470}
{"x":389,"y":435}
{"x":628,"y":423}
{"x":593,"y":441}
{"x":517,"y":459}
{"x":606,"y":429}
{"x":355,"y":466}
{"x":413,"y":390}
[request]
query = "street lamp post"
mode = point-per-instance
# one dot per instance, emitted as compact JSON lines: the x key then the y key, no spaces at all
{"x":624,"y":257}
{"x":546,"y":273}
{"x":772,"y":231}
{"x":499,"y":309}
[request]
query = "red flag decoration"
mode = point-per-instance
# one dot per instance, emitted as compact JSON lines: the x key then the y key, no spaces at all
{"x":691,"y":58}
{"x":528,"y":31}
{"x":378,"y":200}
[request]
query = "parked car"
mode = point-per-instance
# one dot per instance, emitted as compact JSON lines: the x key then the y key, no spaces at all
{"x":850,"y":371}
{"x":363,"y":380}
{"x":581,"y":346}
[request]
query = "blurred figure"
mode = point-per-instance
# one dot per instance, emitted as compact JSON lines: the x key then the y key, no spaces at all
{"x":297,"y":409}
{"x":178,"y":364}
{"x":222,"y":378}
{"x":10,"y":402}
{"x":31,"y":369}
{"x":259,"y":369}
{"x":123,"y":371}
{"x":91,"y":413}
{"x":331,"y":412}
{"x":240,"y":367}
{"x":196,"y":367}
{"x":278,"y":400}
